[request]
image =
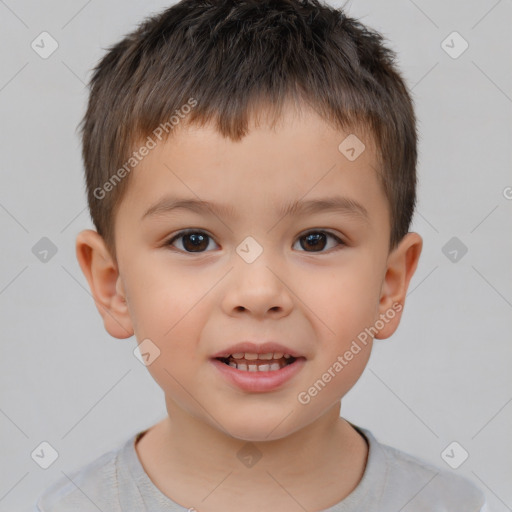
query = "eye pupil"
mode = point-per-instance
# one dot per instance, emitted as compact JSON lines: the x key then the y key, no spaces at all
{"x":313,"y":239}
{"x":196,"y":240}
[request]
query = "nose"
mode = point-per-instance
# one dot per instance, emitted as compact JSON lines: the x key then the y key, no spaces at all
{"x":258,"y":289}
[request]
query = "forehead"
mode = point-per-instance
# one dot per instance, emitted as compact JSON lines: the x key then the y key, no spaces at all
{"x":299,"y":158}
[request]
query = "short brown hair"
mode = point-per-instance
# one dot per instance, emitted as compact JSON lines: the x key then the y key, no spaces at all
{"x":231,"y":56}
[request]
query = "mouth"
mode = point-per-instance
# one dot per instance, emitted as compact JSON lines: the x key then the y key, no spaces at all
{"x":259,"y":373}
{"x":251,"y":362}
{"x":258,"y":367}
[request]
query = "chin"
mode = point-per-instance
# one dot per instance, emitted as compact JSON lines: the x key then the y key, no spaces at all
{"x":259,"y":427}
{"x":256,"y":433}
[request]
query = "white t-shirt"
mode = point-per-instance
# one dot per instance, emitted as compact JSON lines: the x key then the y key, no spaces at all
{"x":392,"y":481}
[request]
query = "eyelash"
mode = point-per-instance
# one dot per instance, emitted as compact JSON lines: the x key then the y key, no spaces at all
{"x":183,"y":233}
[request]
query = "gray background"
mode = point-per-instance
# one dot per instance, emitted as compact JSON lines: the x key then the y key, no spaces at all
{"x":443,"y":377}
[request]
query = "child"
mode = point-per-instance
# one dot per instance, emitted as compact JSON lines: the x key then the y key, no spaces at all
{"x":251,"y":173}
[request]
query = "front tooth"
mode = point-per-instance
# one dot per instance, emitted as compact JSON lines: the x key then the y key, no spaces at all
{"x":278,"y":355}
{"x":275,"y":366}
{"x":263,"y":367}
{"x":241,"y":366}
{"x":287,"y":356}
{"x":238,"y":355}
{"x":251,"y":356}
{"x":232,"y":364}
{"x":253,"y":367}
{"x":266,"y":356}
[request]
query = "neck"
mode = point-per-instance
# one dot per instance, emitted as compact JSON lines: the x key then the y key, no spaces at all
{"x":188,"y":459}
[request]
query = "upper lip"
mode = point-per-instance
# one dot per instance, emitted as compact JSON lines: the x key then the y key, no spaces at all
{"x":249,"y":347}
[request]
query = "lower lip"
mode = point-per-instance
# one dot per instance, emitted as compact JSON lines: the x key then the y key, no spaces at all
{"x":258,"y":382}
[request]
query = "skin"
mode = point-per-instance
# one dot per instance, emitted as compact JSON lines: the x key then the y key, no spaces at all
{"x":314,"y":298}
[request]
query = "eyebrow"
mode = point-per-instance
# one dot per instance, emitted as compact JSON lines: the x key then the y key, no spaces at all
{"x":339,"y":204}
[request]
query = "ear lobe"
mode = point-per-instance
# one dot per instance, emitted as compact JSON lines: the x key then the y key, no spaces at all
{"x":402,"y":263}
{"x":105,"y":283}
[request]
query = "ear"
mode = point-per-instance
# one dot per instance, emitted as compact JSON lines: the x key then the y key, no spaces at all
{"x":105,"y":283}
{"x":401,"y":265}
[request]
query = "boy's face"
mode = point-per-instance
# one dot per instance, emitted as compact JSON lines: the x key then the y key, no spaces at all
{"x":250,"y":273}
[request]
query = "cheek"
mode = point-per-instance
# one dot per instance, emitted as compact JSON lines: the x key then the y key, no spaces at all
{"x":345,"y":300}
{"x":162,"y":301}
{"x":168,"y":310}
{"x":172,"y":316}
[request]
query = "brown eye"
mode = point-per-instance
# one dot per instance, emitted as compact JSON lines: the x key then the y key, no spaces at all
{"x":192,"y":241}
{"x":317,"y":241}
